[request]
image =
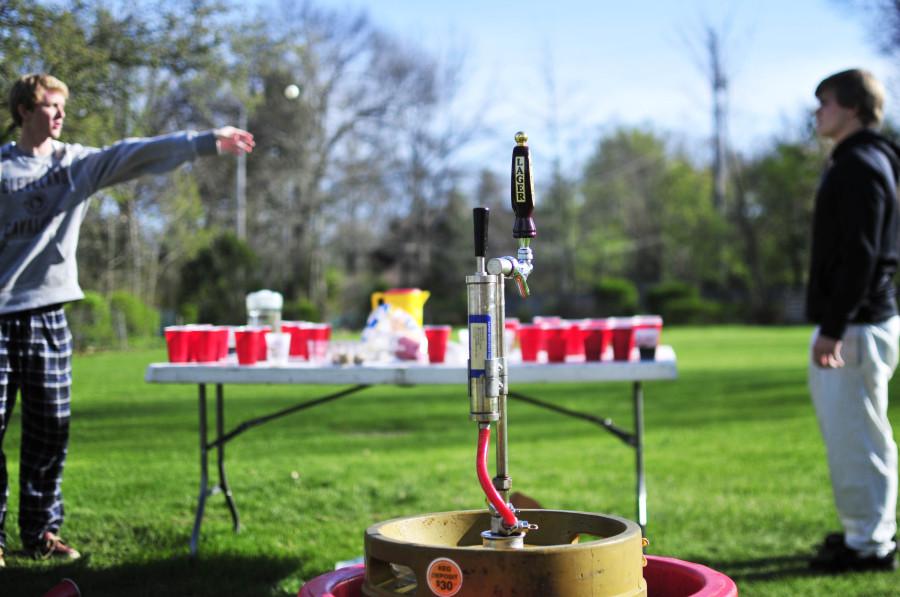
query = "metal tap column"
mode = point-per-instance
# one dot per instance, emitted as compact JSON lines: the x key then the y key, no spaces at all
{"x":484,"y":356}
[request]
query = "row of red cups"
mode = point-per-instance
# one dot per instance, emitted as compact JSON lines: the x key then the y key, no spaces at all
{"x":200,"y":343}
{"x":588,"y":338}
{"x":308,"y":340}
{"x":196,"y":343}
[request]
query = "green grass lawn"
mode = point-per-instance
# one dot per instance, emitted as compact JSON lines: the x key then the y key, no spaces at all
{"x":736,"y":473}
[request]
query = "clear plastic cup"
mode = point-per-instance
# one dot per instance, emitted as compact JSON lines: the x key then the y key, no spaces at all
{"x":278,"y":348}
{"x":647,"y":332}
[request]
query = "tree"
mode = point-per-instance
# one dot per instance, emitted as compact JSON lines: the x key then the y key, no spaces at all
{"x":776,"y":193}
{"x":218,"y":280}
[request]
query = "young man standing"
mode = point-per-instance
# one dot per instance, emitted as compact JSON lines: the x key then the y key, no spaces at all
{"x":851,"y":296}
{"x":44,"y":189}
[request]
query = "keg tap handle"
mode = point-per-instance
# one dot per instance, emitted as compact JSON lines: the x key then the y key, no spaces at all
{"x":481,"y":216}
{"x":522,"y":196}
{"x":522,"y":190}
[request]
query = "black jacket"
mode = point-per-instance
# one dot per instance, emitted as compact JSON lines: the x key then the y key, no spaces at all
{"x":855,"y":235}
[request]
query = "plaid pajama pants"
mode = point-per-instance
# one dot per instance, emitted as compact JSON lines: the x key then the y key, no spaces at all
{"x":35,"y":362}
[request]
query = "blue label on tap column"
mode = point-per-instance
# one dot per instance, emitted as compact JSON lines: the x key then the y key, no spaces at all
{"x":479,"y":344}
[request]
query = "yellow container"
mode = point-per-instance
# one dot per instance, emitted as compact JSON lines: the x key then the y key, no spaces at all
{"x":411,"y":300}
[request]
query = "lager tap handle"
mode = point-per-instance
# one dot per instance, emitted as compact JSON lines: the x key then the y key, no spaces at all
{"x":481,"y":230}
{"x":522,"y":187}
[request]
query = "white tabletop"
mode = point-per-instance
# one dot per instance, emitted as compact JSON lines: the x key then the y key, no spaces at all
{"x":409,"y":373}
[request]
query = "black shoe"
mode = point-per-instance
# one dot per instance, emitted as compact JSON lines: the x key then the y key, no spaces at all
{"x":837,"y":557}
{"x":833,"y":540}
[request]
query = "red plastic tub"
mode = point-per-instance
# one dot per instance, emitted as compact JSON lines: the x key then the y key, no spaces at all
{"x":666,"y":577}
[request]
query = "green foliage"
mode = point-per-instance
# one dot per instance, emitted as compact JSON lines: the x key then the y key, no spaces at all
{"x":188,"y":312}
{"x":300,"y":309}
{"x":778,"y":191}
{"x":450,"y":240}
{"x":691,"y":310}
{"x":141,"y":320}
{"x":722,"y":481}
{"x":681,"y":303}
{"x":615,"y":296}
{"x":372,"y":190}
{"x":658,"y":296}
{"x":218,"y":279}
{"x":90,"y":322}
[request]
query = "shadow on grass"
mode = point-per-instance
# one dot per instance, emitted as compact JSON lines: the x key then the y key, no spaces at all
{"x":182,"y":577}
{"x":777,"y":567}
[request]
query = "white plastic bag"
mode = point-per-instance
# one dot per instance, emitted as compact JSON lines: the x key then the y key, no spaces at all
{"x":392,"y":333}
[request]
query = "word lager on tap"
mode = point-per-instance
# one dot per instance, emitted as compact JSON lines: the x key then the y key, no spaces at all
{"x":520,"y":179}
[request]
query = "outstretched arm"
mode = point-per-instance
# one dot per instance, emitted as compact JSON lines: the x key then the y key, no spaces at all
{"x":98,"y":168}
{"x":233,"y":140}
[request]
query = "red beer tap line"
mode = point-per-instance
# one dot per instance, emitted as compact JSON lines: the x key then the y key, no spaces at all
{"x":484,"y":438}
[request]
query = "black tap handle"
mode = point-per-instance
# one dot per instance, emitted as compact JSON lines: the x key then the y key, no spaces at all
{"x":481,"y":230}
{"x":522,"y":187}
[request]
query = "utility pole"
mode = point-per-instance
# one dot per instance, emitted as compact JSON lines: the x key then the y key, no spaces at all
{"x":241,"y":180}
{"x":720,"y":144}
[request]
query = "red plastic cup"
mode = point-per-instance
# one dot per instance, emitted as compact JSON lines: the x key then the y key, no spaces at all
{"x":530,"y":338}
{"x":199,"y":342}
{"x":557,"y":339}
{"x":437,"y":336}
{"x":511,"y":325}
{"x":545,"y":321}
{"x":261,"y":350}
{"x":622,"y":338}
{"x":206,"y":344}
{"x":575,"y":339}
{"x":318,"y":336}
{"x":647,"y":331}
{"x":511,"y":333}
{"x":221,"y":333}
{"x":299,"y":331}
{"x":246,"y":343}
{"x":66,"y":588}
{"x":178,"y":343}
{"x":597,"y":336}
{"x":211,"y":343}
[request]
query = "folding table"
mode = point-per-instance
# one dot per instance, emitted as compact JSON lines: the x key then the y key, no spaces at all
{"x":360,"y":377}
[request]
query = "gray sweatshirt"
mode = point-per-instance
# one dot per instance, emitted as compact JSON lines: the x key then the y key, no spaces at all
{"x":44,"y":200}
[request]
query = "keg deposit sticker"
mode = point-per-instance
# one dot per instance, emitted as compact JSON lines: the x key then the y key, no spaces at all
{"x":444,"y":577}
{"x":479,"y":344}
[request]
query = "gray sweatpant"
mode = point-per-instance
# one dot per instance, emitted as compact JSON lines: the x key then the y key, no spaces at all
{"x":851,"y":404}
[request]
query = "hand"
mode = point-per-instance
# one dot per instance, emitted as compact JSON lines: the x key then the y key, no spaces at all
{"x":826,"y":353}
{"x":234,"y":140}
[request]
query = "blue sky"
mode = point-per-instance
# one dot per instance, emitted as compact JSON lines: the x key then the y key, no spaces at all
{"x":636,"y":63}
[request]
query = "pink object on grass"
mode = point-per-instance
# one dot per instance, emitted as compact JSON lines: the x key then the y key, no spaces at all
{"x":665,"y":577}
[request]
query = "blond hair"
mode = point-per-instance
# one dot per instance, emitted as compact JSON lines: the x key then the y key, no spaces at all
{"x":26,"y":92}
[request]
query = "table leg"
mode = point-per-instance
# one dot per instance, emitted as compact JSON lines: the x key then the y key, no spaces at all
{"x":220,"y":456}
{"x":204,"y":471}
{"x":638,"y":394}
